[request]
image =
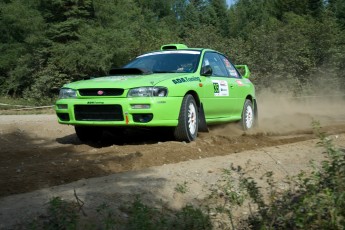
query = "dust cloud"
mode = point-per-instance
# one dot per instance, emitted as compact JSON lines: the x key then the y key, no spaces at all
{"x":284,"y":114}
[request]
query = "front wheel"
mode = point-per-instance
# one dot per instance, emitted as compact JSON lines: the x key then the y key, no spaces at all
{"x":187,"y":128}
{"x":248,"y":116}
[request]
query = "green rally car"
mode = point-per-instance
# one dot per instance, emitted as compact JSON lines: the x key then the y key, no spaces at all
{"x":184,"y":89}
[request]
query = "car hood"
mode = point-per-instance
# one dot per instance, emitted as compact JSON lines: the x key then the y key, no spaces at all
{"x":125,"y":81}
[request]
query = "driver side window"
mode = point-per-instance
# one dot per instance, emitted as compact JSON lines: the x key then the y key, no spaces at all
{"x":218,"y":68}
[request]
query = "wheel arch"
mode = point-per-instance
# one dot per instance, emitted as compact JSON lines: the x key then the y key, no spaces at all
{"x":196,"y":97}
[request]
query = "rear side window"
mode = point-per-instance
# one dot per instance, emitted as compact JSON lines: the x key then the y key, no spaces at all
{"x":230,"y":68}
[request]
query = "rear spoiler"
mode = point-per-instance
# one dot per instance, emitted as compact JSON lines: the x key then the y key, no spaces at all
{"x":244,"y":68}
{"x":129,"y":71}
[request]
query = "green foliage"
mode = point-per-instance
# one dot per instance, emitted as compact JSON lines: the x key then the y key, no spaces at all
{"x":60,"y":215}
{"x":315,"y":201}
{"x":142,"y":216}
{"x":65,"y":215}
{"x":191,"y":218}
{"x":182,"y":188}
{"x":45,"y":44}
{"x":338,"y":8}
{"x":227,"y":194}
{"x":107,"y":216}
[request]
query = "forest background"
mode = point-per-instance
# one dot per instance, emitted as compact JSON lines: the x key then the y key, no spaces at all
{"x":294,"y":47}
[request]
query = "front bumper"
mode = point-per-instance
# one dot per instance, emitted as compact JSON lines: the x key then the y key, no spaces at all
{"x":150,"y":112}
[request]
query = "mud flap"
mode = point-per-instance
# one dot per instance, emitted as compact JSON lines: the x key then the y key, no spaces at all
{"x":256,"y":114}
{"x":202,"y":120}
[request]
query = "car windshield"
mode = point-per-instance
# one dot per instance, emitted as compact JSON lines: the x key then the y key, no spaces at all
{"x":179,"y":61}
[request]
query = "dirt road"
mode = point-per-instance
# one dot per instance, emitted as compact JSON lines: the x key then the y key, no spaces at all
{"x":37,"y":153}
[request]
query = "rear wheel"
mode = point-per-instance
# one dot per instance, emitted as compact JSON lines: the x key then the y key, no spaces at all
{"x":187,"y":128}
{"x":85,"y":133}
{"x":248,"y":116}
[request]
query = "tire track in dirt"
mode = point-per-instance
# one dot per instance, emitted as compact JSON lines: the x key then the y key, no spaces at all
{"x":36,"y":152}
{"x":29,"y":162}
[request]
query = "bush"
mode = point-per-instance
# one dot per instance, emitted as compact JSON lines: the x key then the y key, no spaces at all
{"x":318,"y":203}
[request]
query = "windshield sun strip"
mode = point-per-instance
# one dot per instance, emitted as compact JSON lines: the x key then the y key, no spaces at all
{"x":171,"y":52}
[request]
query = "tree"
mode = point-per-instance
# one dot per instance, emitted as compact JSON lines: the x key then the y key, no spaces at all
{"x":338,"y":8}
{"x":46,"y":43}
{"x":315,"y":7}
{"x":222,"y":18}
{"x":20,"y":34}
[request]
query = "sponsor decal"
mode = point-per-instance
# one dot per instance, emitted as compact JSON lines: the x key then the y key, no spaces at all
{"x":220,"y":88}
{"x":233,"y":73}
{"x":216,"y":87}
{"x":227,"y":63}
{"x":223,"y":83}
{"x":186,"y":79}
{"x":239,"y":82}
{"x":94,"y":102}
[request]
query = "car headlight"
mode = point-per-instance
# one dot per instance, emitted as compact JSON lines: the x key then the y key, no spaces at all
{"x":148,"y":92}
{"x":67,"y":93}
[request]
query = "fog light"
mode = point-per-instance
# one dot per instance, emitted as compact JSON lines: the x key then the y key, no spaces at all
{"x":63,"y":116}
{"x":140,"y":106}
{"x":142,"y":118}
{"x":62,"y":106}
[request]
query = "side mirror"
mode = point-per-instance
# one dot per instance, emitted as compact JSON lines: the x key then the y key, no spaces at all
{"x":206,"y":70}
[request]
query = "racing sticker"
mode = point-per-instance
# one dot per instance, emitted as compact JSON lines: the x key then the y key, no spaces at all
{"x":227,"y":63}
{"x":239,"y":82}
{"x":220,"y":88}
{"x":233,"y":73}
{"x":186,"y":79}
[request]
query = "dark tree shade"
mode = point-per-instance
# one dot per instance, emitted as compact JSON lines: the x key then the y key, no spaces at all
{"x":46,"y":43}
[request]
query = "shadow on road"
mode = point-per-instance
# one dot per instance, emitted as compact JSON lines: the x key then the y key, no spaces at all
{"x":136,"y":136}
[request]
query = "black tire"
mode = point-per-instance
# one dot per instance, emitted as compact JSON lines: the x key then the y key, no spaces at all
{"x":248,"y":116}
{"x":86,"y":134}
{"x":187,"y":128}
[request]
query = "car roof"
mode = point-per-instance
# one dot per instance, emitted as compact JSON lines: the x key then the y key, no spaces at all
{"x":176,"y":47}
{"x":180,"y":46}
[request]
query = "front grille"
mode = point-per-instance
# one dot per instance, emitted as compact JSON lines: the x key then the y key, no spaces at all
{"x":98,"y":113}
{"x":101,"y":92}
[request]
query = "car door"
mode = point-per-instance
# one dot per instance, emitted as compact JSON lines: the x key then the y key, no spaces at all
{"x":216,"y":96}
{"x":238,"y":87}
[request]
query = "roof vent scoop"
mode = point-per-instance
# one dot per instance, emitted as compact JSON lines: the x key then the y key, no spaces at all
{"x":174,"y":47}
